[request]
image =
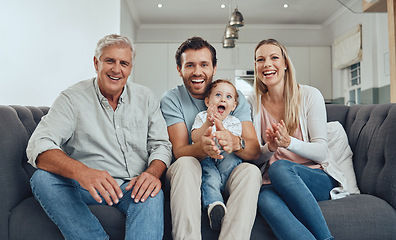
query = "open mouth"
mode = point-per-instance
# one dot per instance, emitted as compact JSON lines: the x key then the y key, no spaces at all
{"x":221,"y":109}
{"x":269,"y":73}
{"x":197,"y":81}
{"x":113,"y":78}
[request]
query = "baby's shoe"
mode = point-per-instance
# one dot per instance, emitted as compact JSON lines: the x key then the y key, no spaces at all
{"x":216,"y":212}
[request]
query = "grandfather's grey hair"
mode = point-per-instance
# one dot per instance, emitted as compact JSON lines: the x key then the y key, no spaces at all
{"x":111,"y":40}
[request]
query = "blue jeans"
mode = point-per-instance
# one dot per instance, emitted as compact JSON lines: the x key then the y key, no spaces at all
{"x":215,"y":173}
{"x":290,"y":202}
{"x":66,"y":203}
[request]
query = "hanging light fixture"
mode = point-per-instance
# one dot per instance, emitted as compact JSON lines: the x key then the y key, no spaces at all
{"x":231,"y":32}
{"x":228,"y":43}
{"x":232,"y":28}
{"x":236,"y":19}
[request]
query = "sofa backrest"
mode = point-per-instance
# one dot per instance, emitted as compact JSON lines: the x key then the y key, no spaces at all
{"x":371,"y":131}
{"x":17,"y":125}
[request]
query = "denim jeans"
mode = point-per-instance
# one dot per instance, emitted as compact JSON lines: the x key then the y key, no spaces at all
{"x":290,"y":202}
{"x":66,"y":203}
{"x":215,"y":173}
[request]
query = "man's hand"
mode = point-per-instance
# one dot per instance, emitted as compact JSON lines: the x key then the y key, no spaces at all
{"x":148,"y":183}
{"x":225,"y":137}
{"x":94,"y":181}
{"x":97,"y":181}
{"x":144,"y":185}
{"x":209,"y":145}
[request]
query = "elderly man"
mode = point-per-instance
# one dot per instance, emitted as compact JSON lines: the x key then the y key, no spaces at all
{"x":104,"y":141}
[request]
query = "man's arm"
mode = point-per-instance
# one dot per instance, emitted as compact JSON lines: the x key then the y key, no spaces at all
{"x":93,"y":180}
{"x":178,"y":135}
{"x":231,"y":143}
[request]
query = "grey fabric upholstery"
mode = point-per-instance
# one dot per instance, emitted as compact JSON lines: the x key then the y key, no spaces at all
{"x":371,"y":132}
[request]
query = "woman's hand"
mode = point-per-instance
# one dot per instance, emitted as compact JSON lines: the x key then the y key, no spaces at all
{"x":277,"y":136}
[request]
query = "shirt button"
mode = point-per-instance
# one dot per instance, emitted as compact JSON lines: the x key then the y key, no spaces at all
{"x":118,"y":126}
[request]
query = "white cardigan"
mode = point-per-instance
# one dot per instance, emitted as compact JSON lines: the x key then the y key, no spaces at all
{"x":314,"y":145}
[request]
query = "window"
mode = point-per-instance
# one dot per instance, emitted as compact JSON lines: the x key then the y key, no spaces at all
{"x":354,"y":85}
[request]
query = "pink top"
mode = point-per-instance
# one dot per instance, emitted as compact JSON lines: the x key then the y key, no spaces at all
{"x":282,"y":153}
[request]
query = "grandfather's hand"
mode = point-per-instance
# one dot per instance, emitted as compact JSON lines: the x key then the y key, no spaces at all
{"x":98,"y":181}
{"x":144,"y":185}
{"x":209,"y":145}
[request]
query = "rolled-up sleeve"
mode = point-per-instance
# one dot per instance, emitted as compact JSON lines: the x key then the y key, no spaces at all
{"x":54,"y":129}
{"x":158,"y":144}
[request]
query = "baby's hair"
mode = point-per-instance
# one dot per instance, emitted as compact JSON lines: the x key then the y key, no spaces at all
{"x":214,"y":84}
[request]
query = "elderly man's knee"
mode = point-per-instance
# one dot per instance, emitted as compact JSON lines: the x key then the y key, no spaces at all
{"x":43,"y":178}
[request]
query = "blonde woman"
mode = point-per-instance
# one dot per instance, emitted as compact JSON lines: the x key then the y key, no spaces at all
{"x":290,"y":121}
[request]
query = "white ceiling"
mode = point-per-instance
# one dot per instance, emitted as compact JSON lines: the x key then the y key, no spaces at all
{"x":253,"y":11}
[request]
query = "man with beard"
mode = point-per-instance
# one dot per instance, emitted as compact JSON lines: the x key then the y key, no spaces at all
{"x":196,"y":63}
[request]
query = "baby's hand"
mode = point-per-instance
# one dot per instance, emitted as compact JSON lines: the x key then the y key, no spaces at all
{"x":211,"y":115}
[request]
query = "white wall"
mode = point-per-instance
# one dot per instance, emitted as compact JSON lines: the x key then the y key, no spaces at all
{"x":374,"y":45}
{"x":128,"y":26}
{"x":46,"y":46}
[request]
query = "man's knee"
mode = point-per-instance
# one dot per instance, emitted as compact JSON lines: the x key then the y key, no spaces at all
{"x":185,"y":166}
{"x":44,"y":184}
{"x":154,"y":202}
{"x":247,"y":175}
{"x":248,"y":170}
{"x":42,"y":178}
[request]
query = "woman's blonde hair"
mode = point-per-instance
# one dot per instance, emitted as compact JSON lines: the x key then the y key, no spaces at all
{"x":291,"y":89}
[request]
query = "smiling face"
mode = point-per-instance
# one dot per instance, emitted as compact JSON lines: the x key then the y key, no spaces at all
{"x":197,"y":71}
{"x":223,"y":96}
{"x":270,"y":65}
{"x":113,"y":69}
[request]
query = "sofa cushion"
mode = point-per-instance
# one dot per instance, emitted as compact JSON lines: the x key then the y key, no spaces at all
{"x":360,"y":217}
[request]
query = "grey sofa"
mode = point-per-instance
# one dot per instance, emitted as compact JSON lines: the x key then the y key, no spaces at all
{"x":371,"y":215}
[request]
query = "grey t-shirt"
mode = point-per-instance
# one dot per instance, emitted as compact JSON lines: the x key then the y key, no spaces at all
{"x":177,"y":105}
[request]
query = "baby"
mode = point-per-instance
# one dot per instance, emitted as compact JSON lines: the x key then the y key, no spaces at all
{"x":221,"y":99}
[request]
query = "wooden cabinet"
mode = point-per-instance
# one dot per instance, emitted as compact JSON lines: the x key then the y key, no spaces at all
{"x":374,"y":6}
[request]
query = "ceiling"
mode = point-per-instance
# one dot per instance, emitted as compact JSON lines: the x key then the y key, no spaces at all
{"x":314,"y":12}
